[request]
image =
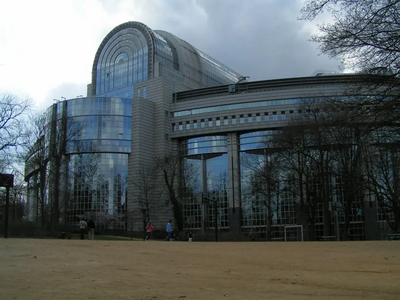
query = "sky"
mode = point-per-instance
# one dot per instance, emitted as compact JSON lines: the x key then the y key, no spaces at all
{"x":47,"y":47}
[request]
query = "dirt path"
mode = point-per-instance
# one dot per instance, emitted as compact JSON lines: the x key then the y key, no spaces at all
{"x":75,"y":269}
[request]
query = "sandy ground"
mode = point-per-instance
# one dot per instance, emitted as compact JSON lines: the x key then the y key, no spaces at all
{"x":75,"y":269}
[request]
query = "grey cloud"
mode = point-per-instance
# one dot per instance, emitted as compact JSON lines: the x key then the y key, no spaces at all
{"x":262,"y":39}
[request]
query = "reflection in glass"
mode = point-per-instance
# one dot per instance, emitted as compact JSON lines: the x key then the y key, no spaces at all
{"x":208,"y":157}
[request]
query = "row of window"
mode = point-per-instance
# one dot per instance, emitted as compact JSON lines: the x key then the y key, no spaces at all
{"x":232,"y":120}
{"x":99,"y":106}
{"x":236,"y":106}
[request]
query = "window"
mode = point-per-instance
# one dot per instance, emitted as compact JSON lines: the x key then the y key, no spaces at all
{"x":218,"y":122}
{"x":195,"y":124}
{"x":249,"y":118}
{"x":180,"y":126}
{"x":138,"y":93}
{"x":241,"y":119}
{"x":258,"y":118}
{"x":274,"y":116}
{"x":226,"y":121}
{"x":202,"y":124}
{"x":210,"y":122}
{"x":173,"y":127}
{"x":233,"y":120}
{"x":187,"y":125}
{"x":266,"y":117}
{"x":145,"y":92}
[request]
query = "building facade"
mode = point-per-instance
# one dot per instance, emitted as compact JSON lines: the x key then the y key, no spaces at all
{"x":153,"y":95}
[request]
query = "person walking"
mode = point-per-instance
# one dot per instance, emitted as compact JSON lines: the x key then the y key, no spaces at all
{"x":168,"y":230}
{"x":149,"y":230}
{"x":190,"y":236}
{"x":91,"y":227}
{"x":82,"y":228}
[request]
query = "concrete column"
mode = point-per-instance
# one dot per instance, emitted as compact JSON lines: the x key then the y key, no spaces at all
{"x":235,"y":209}
{"x":204,"y":192}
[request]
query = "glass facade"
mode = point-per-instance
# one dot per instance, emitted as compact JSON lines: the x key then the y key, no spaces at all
{"x":105,"y":125}
{"x":98,"y":144}
{"x":122,"y":63}
{"x":264,"y":192}
{"x":205,"y":164}
{"x":165,"y":54}
{"x":216,"y":73}
{"x":98,"y":189}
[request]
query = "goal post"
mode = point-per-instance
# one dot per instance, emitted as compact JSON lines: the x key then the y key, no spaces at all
{"x":298,"y":228}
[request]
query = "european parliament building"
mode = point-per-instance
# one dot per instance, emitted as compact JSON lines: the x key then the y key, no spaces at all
{"x":154,"y":96}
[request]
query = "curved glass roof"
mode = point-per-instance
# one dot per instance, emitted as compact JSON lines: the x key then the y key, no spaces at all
{"x":129,"y":52}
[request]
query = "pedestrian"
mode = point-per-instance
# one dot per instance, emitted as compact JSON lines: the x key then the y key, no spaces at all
{"x":82,"y":227}
{"x":149,"y":230}
{"x":91,"y":227}
{"x":168,"y":230}
{"x":190,"y":236}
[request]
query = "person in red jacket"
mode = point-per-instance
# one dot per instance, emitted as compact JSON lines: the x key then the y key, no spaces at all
{"x":149,"y":230}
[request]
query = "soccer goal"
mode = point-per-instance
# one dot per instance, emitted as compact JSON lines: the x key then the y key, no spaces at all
{"x":294,"y":233}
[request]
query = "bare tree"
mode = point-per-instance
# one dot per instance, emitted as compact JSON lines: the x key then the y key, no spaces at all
{"x":12,"y":113}
{"x":144,"y":187}
{"x":36,"y":161}
{"x":347,"y":169}
{"x":170,"y":167}
{"x":298,"y":161}
{"x":16,"y":198}
{"x":382,"y":161}
{"x":179,"y":178}
{"x":263,"y":178}
{"x":308,"y":155}
{"x":63,"y":132}
{"x":190,"y":178}
{"x":191,"y":194}
{"x":364,"y":33}
{"x":317,"y":123}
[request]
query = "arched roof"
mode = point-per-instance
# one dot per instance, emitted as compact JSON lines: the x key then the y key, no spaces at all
{"x":196,"y":68}
{"x":147,"y":33}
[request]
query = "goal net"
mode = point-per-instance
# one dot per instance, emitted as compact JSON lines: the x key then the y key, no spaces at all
{"x":294,"y":233}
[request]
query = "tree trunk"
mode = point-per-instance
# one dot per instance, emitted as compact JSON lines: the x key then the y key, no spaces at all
{"x":55,"y":213}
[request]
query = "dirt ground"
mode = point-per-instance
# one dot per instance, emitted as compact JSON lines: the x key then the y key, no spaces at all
{"x":83,"y":269}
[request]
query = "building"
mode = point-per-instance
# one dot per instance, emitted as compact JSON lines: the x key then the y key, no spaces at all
{"x":154,"y":95}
